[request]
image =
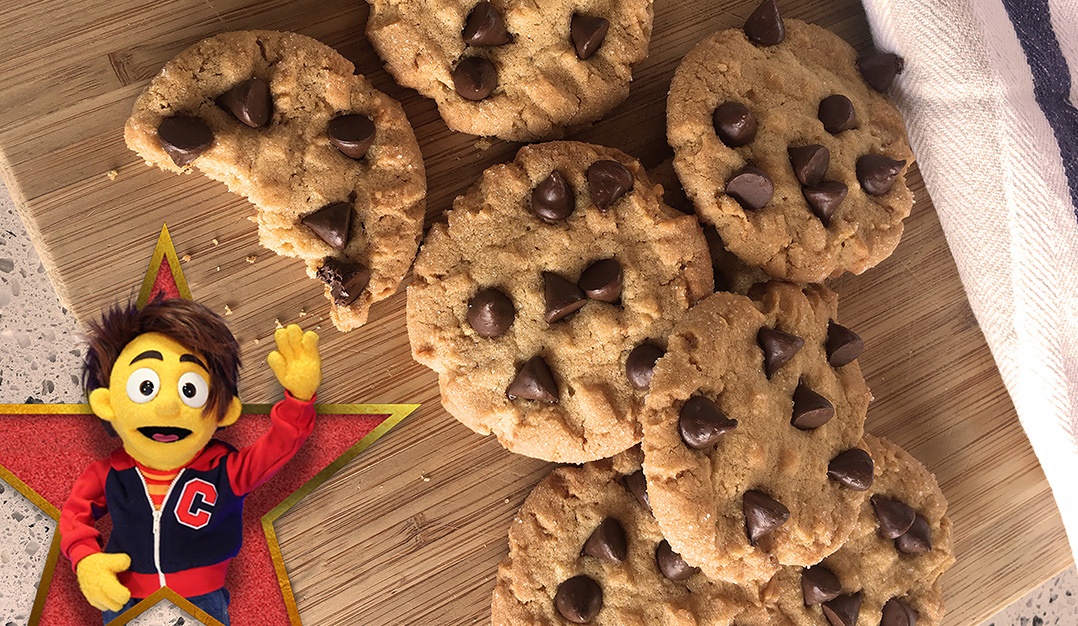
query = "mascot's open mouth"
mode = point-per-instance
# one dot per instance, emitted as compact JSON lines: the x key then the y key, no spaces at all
{"x":164,"y":434}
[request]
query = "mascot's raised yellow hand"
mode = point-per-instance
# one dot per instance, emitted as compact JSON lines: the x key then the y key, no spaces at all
{"x":98,"y":581}
{"x":296,"y":362}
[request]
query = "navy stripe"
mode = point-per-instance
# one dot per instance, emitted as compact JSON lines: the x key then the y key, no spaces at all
{"x":1051,"y":80}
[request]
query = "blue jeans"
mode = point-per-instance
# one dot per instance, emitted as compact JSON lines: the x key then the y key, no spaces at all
{"x":215,"y":603}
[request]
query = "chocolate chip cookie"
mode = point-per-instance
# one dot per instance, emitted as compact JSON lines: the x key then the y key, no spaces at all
{"x":518,"y":70}
{"x":584,"y":550}
{"x":888,"y":572}
{"x":545,"y":300}
{"x":331,"y":164}
{"x":752,"y":433}
{"x":784,"y":147}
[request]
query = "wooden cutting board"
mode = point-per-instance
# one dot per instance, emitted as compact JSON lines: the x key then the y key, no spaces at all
{"x":412,"y":531}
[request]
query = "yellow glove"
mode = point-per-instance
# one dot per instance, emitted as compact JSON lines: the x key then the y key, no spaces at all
{"x":296,"y":362}
{"x":98,"y":581}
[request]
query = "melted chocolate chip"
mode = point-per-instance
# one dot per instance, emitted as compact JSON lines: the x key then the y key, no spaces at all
{"x":837,"y":114}
{"x":563,"y":298}
{"x":734,"y":124}
{"x":346,"y":280}
{"x":843,"y":345}
{"x":485,"y":27}
{"x":811,"y":410}
{"x":763,"y":514}
{"x":818,"y":585}
{"x":879,"y":69}
{"x":640,"y":364}
{"x":490,"y":313}
{"x":852,"y":468}
{"x":638,"y":486}
{"x":877,"y":173}
{"x":671,"y":564}
{"x":843,"y":610}
{"x":608,"y":181}
{"x":588,"y":33}
{"x":895,"y":517}
{"x":352,"y":134}
{"x":916,"y":540}
{"x":607,"y":542}
{"x":249,"y":102}
{"x":602,"y":280}
{"x":778,"y":347}
{"x":898,"y":612}
{"x":579,"y":599}
{"x":701,"y":423}
{"x":751,"y":187}
{"x":534,"y":381}
{"x":553,"y":199}
{"x":475,"y":78}
{"x":764,"y":26}
{"x":332,"y":223}
{"x":824,"y":198}
{"x":184,"y":138}
{"x":809,"y":163}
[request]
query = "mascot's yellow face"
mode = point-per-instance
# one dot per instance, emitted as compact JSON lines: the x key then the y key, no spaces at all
{"x":155,"y":401}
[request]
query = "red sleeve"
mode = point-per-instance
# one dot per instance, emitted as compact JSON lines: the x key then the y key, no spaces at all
{"x":291,"y":422}
{"x":78,"y":536}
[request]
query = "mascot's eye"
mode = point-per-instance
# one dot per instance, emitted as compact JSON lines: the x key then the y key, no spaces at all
{"x":194,"y":390}
{"x":143,"y":385}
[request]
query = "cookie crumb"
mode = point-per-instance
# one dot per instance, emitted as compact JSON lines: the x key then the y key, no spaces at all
{"x":185,"y":258}
{"x":112,"y":174}
{"x":256,"y":341}
{"x":278,"y":323}
{"x":214,"y":241}
{"x":251,"y":259}
{"x":424,"y":478}
{"x":218,"y":268}
{"x":303,"y":313}
{"x":228,"y":310}
{"x":483,"y":144}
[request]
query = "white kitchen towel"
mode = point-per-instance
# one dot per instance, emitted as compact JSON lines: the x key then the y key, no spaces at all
{"x":988,"y":94}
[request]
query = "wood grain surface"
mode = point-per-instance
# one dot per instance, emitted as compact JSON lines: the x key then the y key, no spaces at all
{"x":411,"y":532}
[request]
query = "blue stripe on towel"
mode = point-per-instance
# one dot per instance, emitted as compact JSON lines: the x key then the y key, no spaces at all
{"x":1051,"y":80}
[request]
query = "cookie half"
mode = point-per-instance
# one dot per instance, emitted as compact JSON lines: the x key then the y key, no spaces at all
{"x":331,"y":163}
{"x":545,"y":300}
{"x":518,"y":70}
{"x":889,"y":570}
{"x":583,"y":549}
{"x":750,"y":407}
{"x":785,"y":148}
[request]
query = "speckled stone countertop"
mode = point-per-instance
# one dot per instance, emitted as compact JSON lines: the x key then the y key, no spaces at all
{"x":40,"y":360}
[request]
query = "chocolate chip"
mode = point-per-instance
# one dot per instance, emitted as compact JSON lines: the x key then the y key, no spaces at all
{"x":638,"y":486}
{"x":916,"y":540}
{"x":563,"y":298}
{"x":588,"y":33}
{"x":811,"y":410}
{"x":184,"y":138}
{"x":843,"y":610}
{"x":475,"y":78}
{"x":852,"y":468}
{"x":843,"y":345}
{"x":602,"y":280}
{"x":895,"y":517}
{"x":346,"y":280}
{"x":818,"y":585}
{"x":579,"y":599}
{"x":751,"y":187}
{"x":898,"y":613}
{"x":553,"y":199}
{"x":607,"y":182}
{"x":332,"y":223}
{"x":249,"y":102}
{"x":809,"y":162}
{"x":701,"y":423}
{"x":490,"y":313}
{"x":640,"y":364}
{"x":879,"y":69}
{"x":824,"y":198}
{"x":778,"y":347}
{"x":763,"y":514}
{"x":352,"y":134}
{"x":671,"y":564}
{"x":765,"y":25}
{"x":734,"y":124}
{"x":534,"y":381}
{"x":877,"y":173}
{"x":485,"y":27}
{"x":607,"y":542}
{"x":837,"y":114}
